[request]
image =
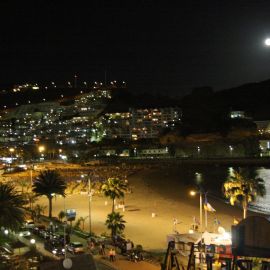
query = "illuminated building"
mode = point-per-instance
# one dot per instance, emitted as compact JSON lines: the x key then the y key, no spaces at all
{"x":140,"y":123}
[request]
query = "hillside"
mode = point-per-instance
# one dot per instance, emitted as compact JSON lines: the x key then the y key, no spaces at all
{"x":203,"y":104}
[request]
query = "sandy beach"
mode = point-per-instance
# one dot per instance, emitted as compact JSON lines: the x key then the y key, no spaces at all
{"x":156,"y":191}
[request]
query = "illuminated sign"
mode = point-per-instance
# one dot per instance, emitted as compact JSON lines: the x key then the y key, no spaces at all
{"x":71,"y":214}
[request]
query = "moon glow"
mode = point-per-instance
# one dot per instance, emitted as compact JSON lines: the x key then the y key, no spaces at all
{"x":267,"y":42}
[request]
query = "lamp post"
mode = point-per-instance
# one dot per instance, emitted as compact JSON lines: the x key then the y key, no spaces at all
{"x":11,"y":150}
{"x":231,"y":150}
{"x":193,"y":193}
{"x":205,"y":212}
{"x":31,"y":184}
{"x":67,"y":262}
{"x":90,"y":194}
{"x":65,"y":224}
{"x":41,"y":149}
{"x":89,"y":204}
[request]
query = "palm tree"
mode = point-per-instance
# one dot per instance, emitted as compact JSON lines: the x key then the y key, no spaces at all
{"x":243,"y":187}
{"x":49,"y":183}
{"x":114,"y":188}
{"x":82,"y":220}
{"x":11,"y":205}
{"x":115,"y":223}
{"x":39,"y":210}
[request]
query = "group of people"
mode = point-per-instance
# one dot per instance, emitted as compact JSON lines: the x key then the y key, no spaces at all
{"x":101,"y":250}
{"x":102,"y":173}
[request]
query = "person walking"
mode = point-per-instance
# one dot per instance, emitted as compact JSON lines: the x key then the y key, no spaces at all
{"x":100,"y":249}
{"x":103,"y":248}
{"x":111,"y":255}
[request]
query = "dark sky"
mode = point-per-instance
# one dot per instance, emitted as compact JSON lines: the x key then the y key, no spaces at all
{"x":157,"y":48}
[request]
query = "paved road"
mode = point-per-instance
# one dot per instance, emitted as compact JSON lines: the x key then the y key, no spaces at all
{"x":102,"y":262}
{"x":122,"y":263}
{"x":39,"y":246}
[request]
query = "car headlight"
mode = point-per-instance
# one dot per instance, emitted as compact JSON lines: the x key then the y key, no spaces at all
{"x":63,"y":250}
{"x":28,"y":233}
{"x":21,"y":234}
{"x":54,"y":251}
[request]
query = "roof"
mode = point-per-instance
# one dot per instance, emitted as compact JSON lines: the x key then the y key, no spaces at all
{"x":208,"y":238}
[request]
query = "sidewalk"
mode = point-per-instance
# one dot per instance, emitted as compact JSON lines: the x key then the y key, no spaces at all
{"x":121,"y":263}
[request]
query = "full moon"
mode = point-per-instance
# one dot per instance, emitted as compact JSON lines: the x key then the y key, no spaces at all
{"x":267,"y":42}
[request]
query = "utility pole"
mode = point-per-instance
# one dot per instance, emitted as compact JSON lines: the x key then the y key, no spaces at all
{"x":201,"y":212}
{"x":65,"y":224}
{"x":89,"y":204}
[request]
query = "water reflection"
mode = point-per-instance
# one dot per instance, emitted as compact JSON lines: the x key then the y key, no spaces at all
{"x":218,"y":175}
{"x":263,"y":204}
{"x":212,"y":177}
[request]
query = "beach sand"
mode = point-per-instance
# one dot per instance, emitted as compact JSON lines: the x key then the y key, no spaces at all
{"x":158,"y":191}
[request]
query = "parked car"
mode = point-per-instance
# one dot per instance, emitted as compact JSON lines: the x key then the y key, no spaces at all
{"x":75,"y":247}
{"x":54,"y":247}
{"x":38,"y":228}
{"x":62,"y":240}
{"x":5,"y":250}
{"x":135,"y":256}
{"x":29,"y":224}
{"x":45,"y":234}
{"x":24,"y":232}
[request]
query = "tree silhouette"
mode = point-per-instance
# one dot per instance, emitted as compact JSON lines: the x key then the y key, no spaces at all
{"x":49,"y":183}
{"x":114,"y":188}
{"x":244,"y":187}
{"x":11,"y":205}
{"x":115,"y":223}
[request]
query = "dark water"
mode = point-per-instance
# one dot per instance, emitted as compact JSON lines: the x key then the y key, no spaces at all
{"x":211,"y":179}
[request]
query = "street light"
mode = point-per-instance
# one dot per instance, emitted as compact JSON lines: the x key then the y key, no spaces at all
{"x":193,"y":193}
{"x":41,"y":149}
{"x":231,"y":149}
{"x":32,"y":241}
{"x":89,"y":204}
{"x":67,"y":262}
{"x":90,"y":194}
{"x":31,"y":183}
{"x":199,"y":149}
{"x":11,"y":150}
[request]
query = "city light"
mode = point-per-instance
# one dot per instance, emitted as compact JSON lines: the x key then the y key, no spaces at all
{"x":41,"y":148}
{"x":32,"y":241}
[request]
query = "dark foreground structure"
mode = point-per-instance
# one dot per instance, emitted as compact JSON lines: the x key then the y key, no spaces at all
{"x":250,"y":248}
{"x":80,"y":262}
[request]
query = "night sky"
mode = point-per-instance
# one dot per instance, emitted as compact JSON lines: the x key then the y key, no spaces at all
{"x":155,"y":48}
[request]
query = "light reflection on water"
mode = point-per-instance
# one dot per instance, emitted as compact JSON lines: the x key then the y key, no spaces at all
{"x":212,"y":178}
{"x":263,"y":204}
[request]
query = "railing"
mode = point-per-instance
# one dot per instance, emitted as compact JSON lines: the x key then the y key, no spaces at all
{"x":193,"y":257}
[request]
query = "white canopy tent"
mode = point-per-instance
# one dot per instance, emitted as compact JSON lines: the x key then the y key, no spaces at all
{"x":206,"y":237}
